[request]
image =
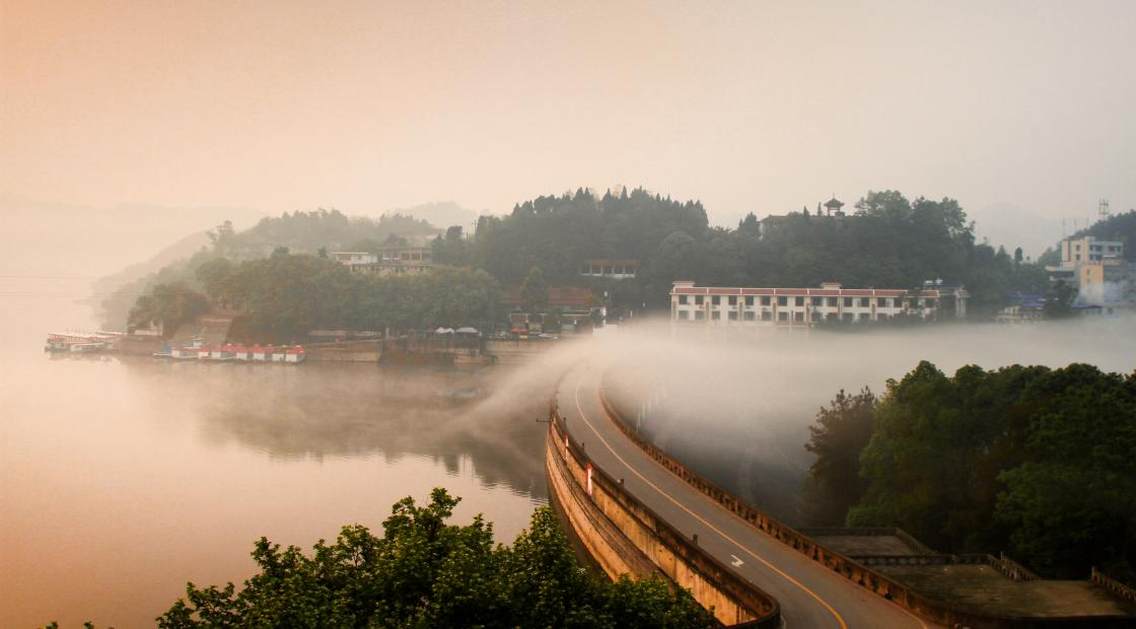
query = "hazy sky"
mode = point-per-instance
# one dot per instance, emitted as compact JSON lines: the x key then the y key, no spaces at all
{"x":1015,"y":108}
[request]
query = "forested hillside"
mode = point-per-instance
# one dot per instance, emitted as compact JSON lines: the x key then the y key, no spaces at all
{"x":299,"y":232}
{"x":888,"y":241}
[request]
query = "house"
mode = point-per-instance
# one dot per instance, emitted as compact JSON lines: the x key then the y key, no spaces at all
{"x":619,"y":269}
{"x":389,"y":260}
{"x":574,"y":305}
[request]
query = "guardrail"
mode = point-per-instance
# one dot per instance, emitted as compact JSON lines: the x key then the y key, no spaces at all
{"x":761,"y":606}
{"x":1121,"y":590}
{"x":923,"y":606}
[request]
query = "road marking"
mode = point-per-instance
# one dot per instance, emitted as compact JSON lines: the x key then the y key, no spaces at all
{"x":790,"y":579}
{"x":806,"y":590}
{"x":737,"y":562}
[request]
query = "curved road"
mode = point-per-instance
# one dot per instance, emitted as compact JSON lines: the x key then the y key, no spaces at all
{"x":810,"y":595}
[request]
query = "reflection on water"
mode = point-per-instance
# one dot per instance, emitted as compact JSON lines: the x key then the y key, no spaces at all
{"x":328,"y":411}
{"x":122,"y":478}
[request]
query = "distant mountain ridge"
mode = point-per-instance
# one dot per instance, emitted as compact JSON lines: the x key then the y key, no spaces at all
{"x":440,"y":214}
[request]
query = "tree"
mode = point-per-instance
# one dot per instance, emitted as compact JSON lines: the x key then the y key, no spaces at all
{"x":1059,"y":300}
{"x":837,"y":439}
{"x":534,"y":290}
{"x":1033,"y":460}
{"x":170,"y":305}
{"x":216,"y":277}
{"x":424,"y":572}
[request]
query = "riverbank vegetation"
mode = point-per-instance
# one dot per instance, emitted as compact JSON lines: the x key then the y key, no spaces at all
{"x":423,"y":571}
{"x":1035,"y":461}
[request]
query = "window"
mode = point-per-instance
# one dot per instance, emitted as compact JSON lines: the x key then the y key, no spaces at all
{"x":798,"y":315}
{"x":814,"y":316}
{"x":782,"y":301}
{"x":698,"y":300}
{"x":750,"y":316}
{"x":865,"y":302}
{"x":766,"y":315}
{"x":682,"y":300}
{"x":765,"y":300}
{"x":732,"y":315}
{"x":733,"y":300}
{"x":715,"y":300}
{"x":847,"y":302}
{"x":818,"y":300}
{"x":832,"y":301}
{"x":782,"y":316}
{"x":830,"y":316}
{"x":800,"y":301}
{"x":699,"y":315}
{"x":749,"y":300}
{"x":930,"y":302}
{"x":608,"y":270}
{"x":683,"y":314}
{"x":883,"y":302}
{"x":847,"y":316}
{"x":715,"y":315}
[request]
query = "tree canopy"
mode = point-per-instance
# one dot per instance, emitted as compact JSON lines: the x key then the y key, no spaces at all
{"x":1032,"y":460}
{"x":285,"y":296}
{"x":888,"y":242}
{"x":425,"y":572}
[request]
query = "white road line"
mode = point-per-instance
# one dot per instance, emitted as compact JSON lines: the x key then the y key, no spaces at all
{"x":801,"y":586}
{"x":737,"y":562}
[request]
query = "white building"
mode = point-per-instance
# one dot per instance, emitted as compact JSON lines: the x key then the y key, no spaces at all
{"x":390,"y":260}
{"x":805,"y":307}
{"x":616,"y":269}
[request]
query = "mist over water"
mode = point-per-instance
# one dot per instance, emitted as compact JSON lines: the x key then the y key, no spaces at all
{"x":121,"y":478}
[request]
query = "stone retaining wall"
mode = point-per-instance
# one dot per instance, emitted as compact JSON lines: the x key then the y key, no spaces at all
{"x":624,"y":536}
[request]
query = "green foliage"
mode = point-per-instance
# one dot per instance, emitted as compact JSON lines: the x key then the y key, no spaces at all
{"x":297,"y":232}
{"x":169,"y":305}
{"x":1059,"y":300}
{"x":424,"y":572}
{"x":888,"y":242}
{"x":534,"y":290}
{"x":1027,"y":459}
{"x":285,"y":296}
{"x":840,"y":434}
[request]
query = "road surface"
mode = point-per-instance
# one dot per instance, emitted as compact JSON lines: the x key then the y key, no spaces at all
{"x":810,"y":595}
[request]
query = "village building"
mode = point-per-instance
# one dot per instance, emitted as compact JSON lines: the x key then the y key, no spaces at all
{"x":574,"y":307}
{"x":392,"y":260}
{"x":806,"y":307}
{"x":1098,"y":270}
{"x":613,"y":268}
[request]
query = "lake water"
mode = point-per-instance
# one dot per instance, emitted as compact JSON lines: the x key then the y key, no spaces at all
{"x":123,"y":478}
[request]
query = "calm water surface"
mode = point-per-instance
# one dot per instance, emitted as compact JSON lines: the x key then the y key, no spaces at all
{"x":123,"y":478}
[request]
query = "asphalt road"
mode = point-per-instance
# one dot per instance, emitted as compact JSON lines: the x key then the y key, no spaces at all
{"x":810,"y":595}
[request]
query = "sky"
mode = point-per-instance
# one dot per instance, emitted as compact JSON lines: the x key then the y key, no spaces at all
{"x":1021,"y":110}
